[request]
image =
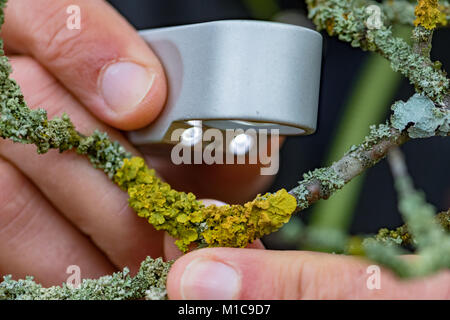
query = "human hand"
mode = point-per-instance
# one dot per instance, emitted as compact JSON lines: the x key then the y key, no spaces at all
{"x":226,"y":273}
{"x":56,"y":210}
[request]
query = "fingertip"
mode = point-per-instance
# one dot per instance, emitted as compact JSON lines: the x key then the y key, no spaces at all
{"x":202,"y":275}
{"x":209,"y":202}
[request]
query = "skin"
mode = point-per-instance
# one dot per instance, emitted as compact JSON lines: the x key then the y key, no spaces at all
{"x":267,"y":274}
{"x":47,"y":224}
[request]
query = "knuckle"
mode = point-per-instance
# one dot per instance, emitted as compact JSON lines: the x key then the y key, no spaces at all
{"x":72,"y":53}
{"x":47,"y":32}
{"x":288,"y":280}
{"x":60,"y":44}
{"x":312,"y":280}
{"x":303,"y":286}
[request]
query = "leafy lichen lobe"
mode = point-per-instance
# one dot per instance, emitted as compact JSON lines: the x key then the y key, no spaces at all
{"x":420,"y":117}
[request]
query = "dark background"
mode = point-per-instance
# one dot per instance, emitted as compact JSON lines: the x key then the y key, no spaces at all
{"x":428,"y":160}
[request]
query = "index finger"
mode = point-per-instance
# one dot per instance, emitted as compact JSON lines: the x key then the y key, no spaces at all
{"x":100,"y":58}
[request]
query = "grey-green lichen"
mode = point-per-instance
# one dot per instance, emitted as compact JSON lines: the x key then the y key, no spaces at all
{"x":402,"y":236}
{"x":149,"y":283}
{"x":103,"y":153}
{"x":377,"y":133}
{"x":320,"y":183}
{"x":427,"y":77}
{"x":422,"y":45}
{"x":420,"y":117}
{"x":348,"y":20}
{"x":21,"y":124}
{"x":329,"y":179}
{"x":399,"y":236}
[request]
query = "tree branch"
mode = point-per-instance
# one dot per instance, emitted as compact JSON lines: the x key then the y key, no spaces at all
{"x":322,"y":183}
{"x":349,"y":21}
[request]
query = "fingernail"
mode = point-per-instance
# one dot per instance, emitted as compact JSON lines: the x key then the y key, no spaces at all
{"x":209,"y":202}
{"x":210,"y":280}
{"x":125,"y":84}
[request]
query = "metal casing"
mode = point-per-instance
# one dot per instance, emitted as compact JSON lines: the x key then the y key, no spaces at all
{"x":263,"y":72}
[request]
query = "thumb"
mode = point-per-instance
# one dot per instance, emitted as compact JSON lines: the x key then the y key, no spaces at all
{"x":225,"y":273}
{"x":102,"y":60}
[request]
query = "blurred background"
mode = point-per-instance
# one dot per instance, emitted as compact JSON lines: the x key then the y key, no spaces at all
{"x":357,"y":90}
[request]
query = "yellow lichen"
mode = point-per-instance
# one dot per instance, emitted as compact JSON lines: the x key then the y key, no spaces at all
{"x":188,"y":220}
{"x":429,"y":14}
{"x":164,"y":208}
{"x":236,"y":226}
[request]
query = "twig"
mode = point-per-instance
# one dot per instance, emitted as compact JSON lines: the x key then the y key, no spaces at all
{"x":402,"y":235}
{"x":322,"y":183}
{"x":422,"y":41}
{"x":349,"y":21}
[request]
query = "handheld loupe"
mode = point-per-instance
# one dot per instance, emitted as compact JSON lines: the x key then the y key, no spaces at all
{"x":235,"y":74}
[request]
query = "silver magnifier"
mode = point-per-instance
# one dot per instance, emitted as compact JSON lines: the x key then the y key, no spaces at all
{"x":235,"y":74}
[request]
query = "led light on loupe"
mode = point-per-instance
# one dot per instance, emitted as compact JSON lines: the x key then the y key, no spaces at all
{"x":241,"y":144}
{"x":191,"y":136}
